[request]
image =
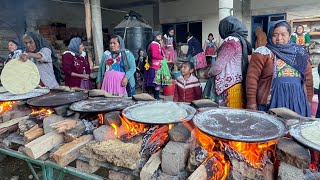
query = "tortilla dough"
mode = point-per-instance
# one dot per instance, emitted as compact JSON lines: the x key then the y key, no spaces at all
{"x":20,"y":77}
{"x":159,"y":112}
{"x":312,"y":133}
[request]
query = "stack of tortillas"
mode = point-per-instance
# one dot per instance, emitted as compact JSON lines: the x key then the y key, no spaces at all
{"x":19,"y":77}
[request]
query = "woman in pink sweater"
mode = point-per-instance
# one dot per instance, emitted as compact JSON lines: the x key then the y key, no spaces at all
{"x":158,"y":75}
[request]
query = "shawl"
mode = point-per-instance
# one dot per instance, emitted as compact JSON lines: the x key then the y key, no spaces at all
{"x":292,"y":54}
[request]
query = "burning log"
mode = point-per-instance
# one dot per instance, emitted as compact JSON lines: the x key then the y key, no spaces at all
{"x":199,"y":173}
{"x":40,"y":115}
{"x":154,"y":139}
{"x":114,"y":151}
{"x":43,"y":144}
{"x":6,"y":106}
{"x":70,"y":151}
{"x":33,"y":133}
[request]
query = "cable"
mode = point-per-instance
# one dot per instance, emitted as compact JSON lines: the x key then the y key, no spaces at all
{"x":82,"y":3}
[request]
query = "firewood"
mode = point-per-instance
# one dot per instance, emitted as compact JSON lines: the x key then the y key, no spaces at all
{"x":13,"y":122}
{"x":70,"y":151}
{"x":75,"y":132}
{"x":151,"y":166}
{"x":43,"y":144}
{"x":34,"y":133}
{"x":63,"y":126}
{"x":199,"y":173}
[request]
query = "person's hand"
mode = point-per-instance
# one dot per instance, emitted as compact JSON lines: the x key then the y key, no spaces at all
{"x":124,"y":82}
{"x":24,"y":57}
{"x":86,"y":76}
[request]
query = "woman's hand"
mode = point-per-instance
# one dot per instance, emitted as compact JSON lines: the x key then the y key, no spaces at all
{"x":24,"y":57}
{"x":124,"y":82}
{"x":85,"y":76}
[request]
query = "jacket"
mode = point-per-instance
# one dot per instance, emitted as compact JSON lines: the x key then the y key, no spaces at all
{"x":194,"y":47}
{"x":187,"y":90}
{"x":156,"y":55}
{"x":260,"y":75}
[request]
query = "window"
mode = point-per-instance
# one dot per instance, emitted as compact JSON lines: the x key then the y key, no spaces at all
{"x":181,"y":28}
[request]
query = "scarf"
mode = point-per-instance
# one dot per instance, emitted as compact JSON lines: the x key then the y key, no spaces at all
{"x":74,"y":45}
{"x":231,"y":26}
{"x":292,"y":54}
{"x":43,"y":43}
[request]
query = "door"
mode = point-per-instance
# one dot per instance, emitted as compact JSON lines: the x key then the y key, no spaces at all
{"x":273,"y":18}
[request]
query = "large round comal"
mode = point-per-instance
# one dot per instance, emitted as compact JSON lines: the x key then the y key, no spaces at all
{"x":138,"y":34}
{"x":20,"y":77}
{"x":240,"y":125}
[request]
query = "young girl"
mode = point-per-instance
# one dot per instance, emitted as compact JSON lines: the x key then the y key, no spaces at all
{"x":169,"y":46}
{"x":158,"y":74}
{"x":187,"y":87}
{"x":209,"y":47}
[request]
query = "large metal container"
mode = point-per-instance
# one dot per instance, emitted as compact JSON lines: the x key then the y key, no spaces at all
{"x":135,"y":31}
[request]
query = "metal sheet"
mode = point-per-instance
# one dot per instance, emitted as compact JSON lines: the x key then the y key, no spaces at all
{"x":14,"y":97}
{"x":240,"y":125}
{"x":127,"y":113}
{"x":57,"y":99}
{"x":295,"y":132}
{"x":101,"y":105}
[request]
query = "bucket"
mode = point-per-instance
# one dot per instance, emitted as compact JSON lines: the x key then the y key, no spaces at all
{"x":314,"y":105}
{"x":169,"y":90}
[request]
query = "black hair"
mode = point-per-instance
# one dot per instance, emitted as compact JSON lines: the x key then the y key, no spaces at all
{"x":140,"y":51}
{"x":210,"y":34}
{"x":115,"y":37}
{"x":190,"y":64}
{"x":284,"y":24}
{"x":300,"y":25}
{"x":188,"y":34}
{"x":170,"y":29}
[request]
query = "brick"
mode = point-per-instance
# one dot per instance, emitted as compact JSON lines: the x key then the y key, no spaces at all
{"x":179,"y":133}
{"x":174,"y":157}
{"x":292,"y":153}
{"x":289,"y":172}
{"x":112,"y":117}
{"x":50,"y":120}
{"x":103,"y":133}
{"x":114,"y":175}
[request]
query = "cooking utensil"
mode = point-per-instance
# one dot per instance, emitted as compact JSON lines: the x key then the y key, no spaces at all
{"x":14,"y":97}
{"x":58,"y":99}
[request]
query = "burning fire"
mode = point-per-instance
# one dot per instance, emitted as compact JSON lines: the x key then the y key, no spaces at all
{"x":254,"y":153}
{"x":6,"y":106}
{"x":101,"y":119}
{"x":41,"y":114}
{"x":216,"y":158}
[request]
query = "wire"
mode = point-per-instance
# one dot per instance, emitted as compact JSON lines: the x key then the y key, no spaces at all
{"x":82,"y":3}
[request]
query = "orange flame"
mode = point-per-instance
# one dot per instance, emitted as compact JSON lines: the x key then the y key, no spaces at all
{"x":171,"y":126}
{"x":221,"y":166}
{"x":101,"y":119}
{"x":115,"y":127}
{"x":6,"y":106}
{"x":43,"y":111}
{"x":253,"y":152}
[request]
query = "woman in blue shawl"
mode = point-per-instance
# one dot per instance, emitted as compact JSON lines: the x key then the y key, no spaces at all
{"x":279,"y":75}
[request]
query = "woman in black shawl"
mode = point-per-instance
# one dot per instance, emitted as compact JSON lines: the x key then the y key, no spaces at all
{"x":42,"y":54}
{"x":228,"y":73}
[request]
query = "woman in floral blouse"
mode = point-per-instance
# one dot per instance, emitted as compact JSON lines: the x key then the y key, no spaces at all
{"x":117,"y":68}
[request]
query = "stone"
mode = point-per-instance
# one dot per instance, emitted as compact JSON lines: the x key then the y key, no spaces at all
{"x":103,"y":133}
{"x":112,"y":117}
{"x":151,"y":166}
{"x":292,"y":153}
{"x":204,"y":103}
{"x":122,"y":154}
{"x":143,"y":97}
{"x":114,"y":175}
{"x":61,"y":110}
{"x":179,"y":133}
{"x":289,"y":172}
{"x":99,"y":93}
{"x":163,"y":176}
{"x":47,"y":121}
{"x":311,"y":175}
{"x":85,"y":167}
{"x":174,"y":157}
{"x":14,"y":178}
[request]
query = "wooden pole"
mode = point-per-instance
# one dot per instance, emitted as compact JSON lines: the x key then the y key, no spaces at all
{"x":88,"y":30}
{"x":97,"y":30}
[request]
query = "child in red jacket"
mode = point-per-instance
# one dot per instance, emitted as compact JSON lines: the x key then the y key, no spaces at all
{"x":187,"y":88}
